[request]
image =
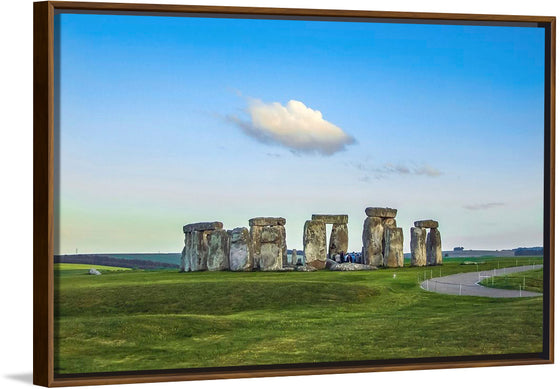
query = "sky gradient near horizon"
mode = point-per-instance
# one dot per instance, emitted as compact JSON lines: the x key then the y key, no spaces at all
{"x":166,"y":121}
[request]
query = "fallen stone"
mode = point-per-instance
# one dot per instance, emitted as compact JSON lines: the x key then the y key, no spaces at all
{"x":339,"y":239}
{"x":417,"y":246}
{"x":393,"y":255}
{"x":240,"y":256}
{"x":372,"y":240}
{"x":381,"y":212}
{"x":94,"y":272}
{"x":347,"y":266}
{"x":331,"y":219}
{"x":267,"y":221}
{"x":329,"y":263}
{"x":426,"y":224}
{"x":305,"y":268}
{"x":203,"y":226}
{"x":315,"y":243}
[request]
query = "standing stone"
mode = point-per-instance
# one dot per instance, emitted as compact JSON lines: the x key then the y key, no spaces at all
{"x":339,"y":239}
{"x":417,"y":246}
{"x":255,"y":243}
{"x":183,"y":266}
{"x":268,"y":241}
{"x":294,"y":257}
{"x":433,"y":248}
{"x":393,"y":255}
{"x":314,"y":243}
{"x":218,"y":250}
{"x":240,"y":256}
{"x":372,"y":239}
{"x":196,"y":251}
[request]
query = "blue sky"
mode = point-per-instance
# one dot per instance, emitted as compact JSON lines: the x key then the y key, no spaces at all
{"x":170,"y":120}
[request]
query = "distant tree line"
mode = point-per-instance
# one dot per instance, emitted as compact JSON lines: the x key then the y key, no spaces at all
{"x":104,"y":260}
{"x":528,"y":251}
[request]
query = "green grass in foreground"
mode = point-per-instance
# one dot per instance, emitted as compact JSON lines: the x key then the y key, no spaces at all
{"x":138,"y":320}
{"x":531,"y":280}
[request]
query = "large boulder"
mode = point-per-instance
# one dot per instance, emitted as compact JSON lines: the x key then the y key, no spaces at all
{"x":315,"y":243}
{"x":417,"y":246}
{"x":393,"y":255}
{"x":240,"y":256}
{"x":372,"y":239}
{"x":339,"y":239}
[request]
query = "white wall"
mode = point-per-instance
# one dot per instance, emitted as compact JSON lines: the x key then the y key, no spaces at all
{"x":16,"y":340}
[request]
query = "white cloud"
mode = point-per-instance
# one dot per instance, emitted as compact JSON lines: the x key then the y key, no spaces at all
{"x":294,"y":126}
{"x":480,"y":207}
{"x":383,"y":171}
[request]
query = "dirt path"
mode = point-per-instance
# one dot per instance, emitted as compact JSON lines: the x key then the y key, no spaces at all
{"x":466,"y":284}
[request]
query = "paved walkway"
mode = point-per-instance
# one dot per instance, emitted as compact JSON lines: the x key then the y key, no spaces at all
{"x":466,"y":284}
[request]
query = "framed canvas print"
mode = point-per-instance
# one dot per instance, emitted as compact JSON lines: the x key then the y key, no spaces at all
{"x":226,"y":192}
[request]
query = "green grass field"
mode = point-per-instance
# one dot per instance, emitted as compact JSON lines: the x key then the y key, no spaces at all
{"x":134,"y":320}
{"x":531,"y":280}
{"x":84,"y":268}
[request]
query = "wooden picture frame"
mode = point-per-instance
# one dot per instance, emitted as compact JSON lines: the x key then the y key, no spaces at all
{"x":44,"y":102}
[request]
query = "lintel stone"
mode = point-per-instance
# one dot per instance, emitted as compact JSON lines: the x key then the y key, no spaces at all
{"x":426,"y":224}
{"x":331,"y":219}
{"x":267,"y":221}
{"x":381,"y":212}
{"x":203,"y":226}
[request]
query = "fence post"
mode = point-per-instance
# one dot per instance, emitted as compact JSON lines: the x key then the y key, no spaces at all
{"x":460,"y":289}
